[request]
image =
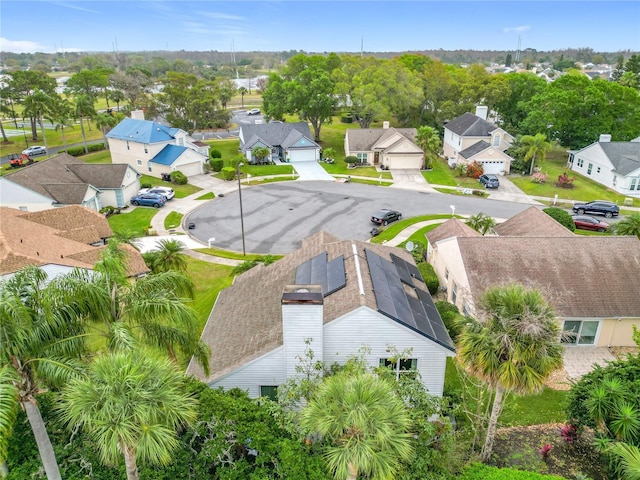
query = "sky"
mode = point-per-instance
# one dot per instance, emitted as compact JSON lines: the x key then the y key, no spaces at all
{"x":317,"y":26}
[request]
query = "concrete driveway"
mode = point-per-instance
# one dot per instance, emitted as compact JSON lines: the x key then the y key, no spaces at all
{"x":509,"y":192}
{"x":311,"y":171}
{"x":277,"y":216}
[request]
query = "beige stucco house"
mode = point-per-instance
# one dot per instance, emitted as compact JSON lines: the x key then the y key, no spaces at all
{"x":591,"y":282}
{"x":387,"y":147}
{"x":470,"y":137}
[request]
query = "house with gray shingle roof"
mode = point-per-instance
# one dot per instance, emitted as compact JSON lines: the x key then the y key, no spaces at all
{"x":154,"y":149}
{"x":58,"y":239}
{"x":615,"y":165}
{"x":65,"y":180}
{"x":338,"y":298}
{"x":288,"y":142}
{"x":591,"y":282}
{"x":387,"y":147}
{"x":471,"y":138}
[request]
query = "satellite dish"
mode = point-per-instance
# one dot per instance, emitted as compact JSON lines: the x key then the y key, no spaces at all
{"x":409,"y":246}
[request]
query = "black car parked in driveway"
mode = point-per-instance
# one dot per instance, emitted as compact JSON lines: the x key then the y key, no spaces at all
{"x":385,"y":216}
{"x":600,"y":207}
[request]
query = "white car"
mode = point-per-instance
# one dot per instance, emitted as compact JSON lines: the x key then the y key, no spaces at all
{"x":167,"y":192}
{"x":35,"y":150}
{"x":254,"y":111}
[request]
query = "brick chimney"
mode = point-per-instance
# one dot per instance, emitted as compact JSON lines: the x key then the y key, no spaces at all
{"x":302,"y":314}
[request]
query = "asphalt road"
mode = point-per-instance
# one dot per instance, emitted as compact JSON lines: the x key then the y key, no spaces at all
{"x":278,"y":216}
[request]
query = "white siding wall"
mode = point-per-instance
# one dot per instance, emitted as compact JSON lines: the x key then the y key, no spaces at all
{"x":16,"y":196}
{"x":344,"y":337}
{"x":595,"y":156}
{"x":301,"y":322}
{"x":266,"y":370}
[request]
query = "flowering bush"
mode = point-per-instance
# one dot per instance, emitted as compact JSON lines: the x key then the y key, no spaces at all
{"x":564,"y":181}
{"x":539,"y":177}
{"x":545,"y":450}
{"x":474,"y":170}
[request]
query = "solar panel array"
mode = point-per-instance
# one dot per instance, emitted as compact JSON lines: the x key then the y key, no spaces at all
{"x":319,"y":271}
{"x":418,"y":313}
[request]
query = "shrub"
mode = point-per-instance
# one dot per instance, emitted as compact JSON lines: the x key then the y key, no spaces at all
{"x":215,"y":154}
{"x":450,"y":316}
{"x":78,"y":151}
{"x":350,"y":161}
{"x":243,"y":267}
{"x":108,"y":210}
{"x":429,"y":276}
{"x":461,"y":170}
{"x":545,"y":450}
{"x":564,"y":181}
{"x":216,"y":164}
{"x":474,"y":170}
{"x":178,"y":177}
{"x":478,"y":471}
{"x":228,"y":173}
{"x":561,"y":216}
{"x":145,"y":185}
{"x":569,"y":432}
{"x":539,"y":177}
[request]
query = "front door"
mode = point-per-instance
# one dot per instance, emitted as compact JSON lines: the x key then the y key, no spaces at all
{"x":376,"y":158}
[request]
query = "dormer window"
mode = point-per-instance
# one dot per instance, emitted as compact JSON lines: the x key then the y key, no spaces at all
{"x":497,"y":138}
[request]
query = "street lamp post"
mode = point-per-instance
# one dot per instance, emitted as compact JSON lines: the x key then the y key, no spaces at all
{"x":244,"y":251}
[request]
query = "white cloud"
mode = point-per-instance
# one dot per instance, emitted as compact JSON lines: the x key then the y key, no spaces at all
{"x":520,"y":29}
{"x":23,"y":46}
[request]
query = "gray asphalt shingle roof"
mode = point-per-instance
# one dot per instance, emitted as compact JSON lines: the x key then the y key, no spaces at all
{"x":625,"y":156}
{"x":470,"y":125}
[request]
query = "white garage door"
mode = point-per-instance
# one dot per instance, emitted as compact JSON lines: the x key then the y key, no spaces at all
{"x":495,"y":167}
{"x":405,"y":163}
{"x":306,"y":155}
{"x":190,"y":169}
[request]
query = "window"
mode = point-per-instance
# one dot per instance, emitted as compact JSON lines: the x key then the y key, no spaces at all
{"x":128,"y":146}
{"x":589,"y":168}
{"x":181,"y":141}
{"x":580,"y":163}
{"x":446,"y":274}
{"x":269,"y":391}
{"x":146,"y":149}
{"x":362,"y":157}
{"x":496,"y":140}
{"x":454,"y":293}
{"x":139,"y":162}
{"x":466,"y":310}
{"x":400,"y":364}
{"x":24,"y":209}
{"x":615,"y":180}
{"x":577,"y":332}
{"x":635,"y":184}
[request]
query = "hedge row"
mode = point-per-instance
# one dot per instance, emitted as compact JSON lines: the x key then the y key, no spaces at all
{"x":78,"y":151}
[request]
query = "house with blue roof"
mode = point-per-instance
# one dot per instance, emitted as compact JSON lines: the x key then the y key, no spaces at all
{"x":288,"y":142}
{"x":155,"y":149}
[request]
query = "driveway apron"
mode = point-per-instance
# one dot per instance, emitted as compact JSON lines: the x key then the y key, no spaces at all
{"x":311,"y":171}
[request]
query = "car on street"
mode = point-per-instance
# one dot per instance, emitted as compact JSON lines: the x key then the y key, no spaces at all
{"x":385,"y":216}
{"x":35,"y":150}
{"x":165,"y":191}
{"x":587,"y":222}
{"x":600,"y":207}
{"x":254,"y":111}
{"x":489,"y":180}
{"x":149,"y":200}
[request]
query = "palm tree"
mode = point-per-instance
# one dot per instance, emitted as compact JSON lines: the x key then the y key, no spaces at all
{"x":629,"y":226}
{"x":84,"y":108}
{"x":261,"y":153}
{"x":105,"y":122}
{"x":61,"y":117}
{"x":8,"y":412}
{"x":537,"y":147}
{"x":151,"y":310}
{"x":40,"y":343}
{"x":38,"y":105}
{"x":629,"y":459}
{"x":481,"y":223}
{"x":514,"y":349}
{"x":428,"y":140}
{"x":167,"y":256}
{"x":364,"y":422}
{"x":242,"y":91}
{"x":130,"y":405}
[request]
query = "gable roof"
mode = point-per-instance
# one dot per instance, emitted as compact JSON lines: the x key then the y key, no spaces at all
{"x":240,"y":329}
{"x":581,"y":276}
{"x":273,"y":134}
{"x":470,"y":125}
{"x":169,"y":154}
{"x":142,"y":131}
{"x":366,"y":139}
{"x":65,"y":179}
{"x":532,"y":222}
{"x":61,"y":236}
{"x":624,"y":156}
{"x":474,"y":149}
{"x":453,"y":227}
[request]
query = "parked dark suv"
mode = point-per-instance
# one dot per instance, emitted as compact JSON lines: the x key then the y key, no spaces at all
{"x":601,"y":207}
{"x":385,"y":216}
{"x":489,"y":180}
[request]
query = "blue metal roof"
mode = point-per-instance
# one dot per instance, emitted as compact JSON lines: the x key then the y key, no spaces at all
{"x":168,"y":154}
{"x":142,"y":131}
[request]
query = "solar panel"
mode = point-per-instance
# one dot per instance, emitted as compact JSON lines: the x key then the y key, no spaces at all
{"x":318,"y":271}
{"x":417,"y":312}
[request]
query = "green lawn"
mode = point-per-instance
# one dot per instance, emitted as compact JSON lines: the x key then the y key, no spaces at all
{"x":391,"y":231}
{"x":218,"y":252}
{"x":173,"y":220}
{"x":132,"y":221}
{"x":209,"y":279}
{"x":54,"y":138}
{"x":440,"y":174}
{"x":103,"y":156}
